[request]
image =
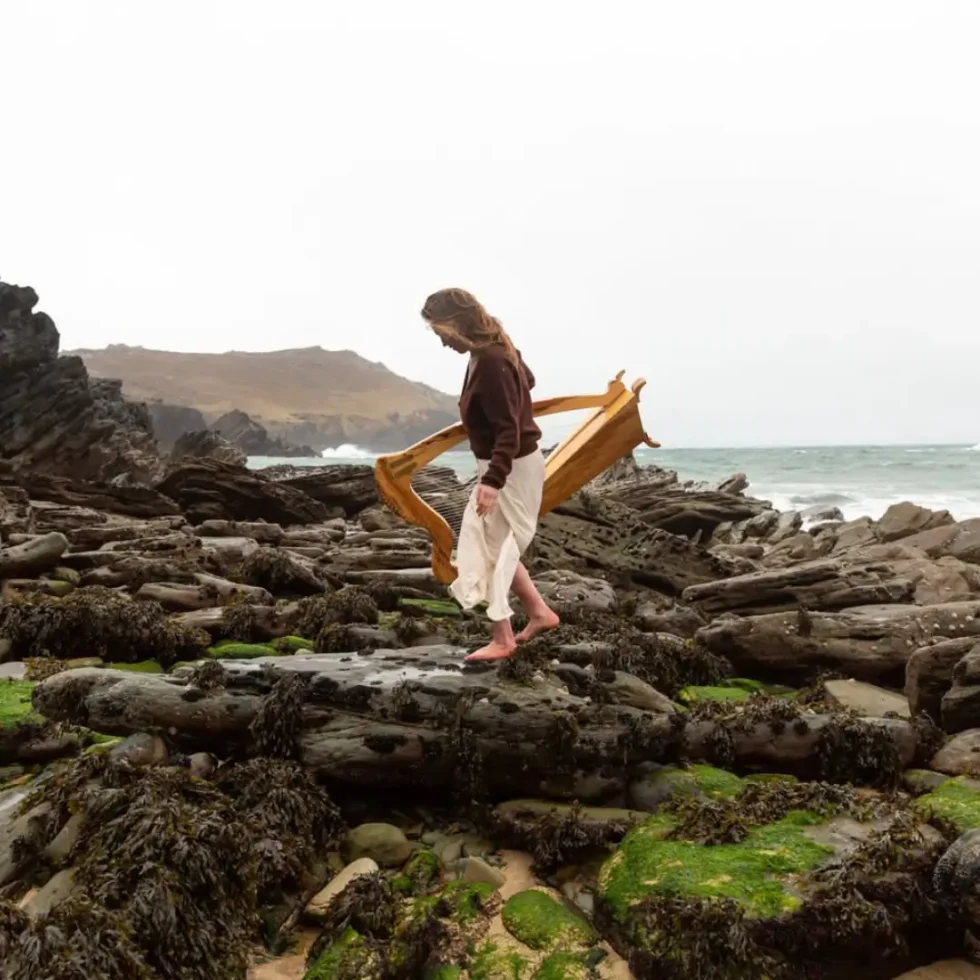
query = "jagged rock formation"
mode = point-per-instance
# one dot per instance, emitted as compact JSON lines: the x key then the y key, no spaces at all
{"x":170,"y":422}
{"x":206,"y":443}
{"x":253,"y":439}
{"x":53,"y":418}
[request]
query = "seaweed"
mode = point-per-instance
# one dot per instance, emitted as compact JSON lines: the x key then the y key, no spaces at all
{"x":97,"y":622}
{"x":77,"y":940}
{"x":278,"y":722}
{"x":850,"y":750}
{"x":351,"y":604}
{"x":268,"y":568}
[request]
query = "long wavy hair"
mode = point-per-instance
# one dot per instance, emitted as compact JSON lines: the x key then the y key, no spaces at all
{"x":458,"y":314}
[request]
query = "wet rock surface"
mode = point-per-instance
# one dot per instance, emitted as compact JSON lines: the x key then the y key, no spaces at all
{"x":252,"y":689}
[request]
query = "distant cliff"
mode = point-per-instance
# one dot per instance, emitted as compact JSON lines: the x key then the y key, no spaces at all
{"x":309,"y":396}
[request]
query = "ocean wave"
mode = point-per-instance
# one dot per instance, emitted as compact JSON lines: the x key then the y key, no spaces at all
{"x":821,"y":498}
{"x":347,"y":451}
{"x":974,"y":449}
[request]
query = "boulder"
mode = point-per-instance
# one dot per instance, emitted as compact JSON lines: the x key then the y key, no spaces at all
{"x":380,"y":842}
{"x":929,"y":673}
{"x":586,"y":534}
{"x":339,"y":487}
{"x":960,"y":540}
{"x":205,"y":443}
{"x":38,"y":555}
{"x":206,"y":489}
{"x":867,"y":700}
{"x":252,"y":439}
{"x":869,"y":643}
{"x":569,"y":593}
{"x":960,"y":708}
{"x":905,"y":519}
{"x":960,"y":756}
{"x":821,"y":585}
{"x":321,"y":902}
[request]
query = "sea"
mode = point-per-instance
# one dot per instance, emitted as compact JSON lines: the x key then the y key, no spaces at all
{"x":859,"y":480}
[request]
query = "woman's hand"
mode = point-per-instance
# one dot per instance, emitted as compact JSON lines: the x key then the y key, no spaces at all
{"x":486,"y":499}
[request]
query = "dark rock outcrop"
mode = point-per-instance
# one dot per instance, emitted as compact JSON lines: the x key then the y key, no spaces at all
{"x":205,"y":443}
{"x":207,"y":489}
{"x":170,"y":422}
{"x":348,"y":488}
{"x":253,"y":439}
{"x":131,"y":501}
{"x":53,"y":418}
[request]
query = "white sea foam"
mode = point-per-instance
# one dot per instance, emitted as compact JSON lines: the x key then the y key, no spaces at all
{"x":347,"y":451}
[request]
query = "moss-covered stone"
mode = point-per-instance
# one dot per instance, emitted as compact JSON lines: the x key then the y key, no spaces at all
{"x":920,"y":781}
{"x":768,"y":778}
{"x":714,"y":781}
{"x":465,"y":900}
{"x":563,"y":966}
{"x":421,"y":871}
{"x":15,"y":703}
{"x":957,"y":800}
{"x":291,"y":644}
{"x":430,"y":607}
{"x":495,"y":962}
{"x":344,"y":959}
{"x":694,"y":693}
{"x":541,"y":922}
{"x":233,"y":650}
{"x":143,"y":667}
{"x":445,"y":973}
{"x":755,"y":872}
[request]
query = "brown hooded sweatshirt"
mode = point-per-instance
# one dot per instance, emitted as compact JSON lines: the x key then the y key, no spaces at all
{"x":495,"y":408}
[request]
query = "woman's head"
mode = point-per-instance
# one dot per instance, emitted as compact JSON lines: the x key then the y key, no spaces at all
{"x":462,"y":324}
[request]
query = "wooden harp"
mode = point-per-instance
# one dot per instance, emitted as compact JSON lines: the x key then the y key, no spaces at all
{"x":607,"y":435}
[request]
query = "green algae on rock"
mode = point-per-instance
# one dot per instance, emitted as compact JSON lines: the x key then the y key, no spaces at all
{"x":421,"y":871}
{"x":291,"y":644}
{"x":233,"y":650}
{"x":755,"y":872}
{"x":563,"y":966}
{"x":957,"y":800}
{"x":694,"y":693}
{"x":143,"y":667}
{"x":436,"y":608}
{"x":493,"y":962}
{"x":542,"y":923}
{"x":15,"y":703}
{"x":346,"y":958}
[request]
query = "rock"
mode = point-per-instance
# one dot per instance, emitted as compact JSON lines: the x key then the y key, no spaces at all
{"x":172,"y":421}
{"x":259,"y":531}
{"x":676,"y":619}
{"x":379,"y":719}
{"x":57,"y":889}
{"x":379,"y":517}
{"x":131,"y":501}
{"x":929,"y":673}
{"x":34,"y":557}
{"x":569,"y":593}
{"x":824,"y":585}
{"x":348,"y":488}
{"x":960,"y":540}
{"x":607,"y":535}
{"x":921,"y":781}
{"x":867,"y":700}
{"x":205,"y":443}
{"x":820,"y":513}
{"x":206,"y":489}
{"x":477,"y":870}
{"x":59,"y":850}
{"x":662,"y":784}
{"x":382,"y":842}
{"x":624,"y":688}
{"x":905,"y":519}
{"x":141,"y":750}
{"x":960,"y":756}
{"x":202,"y":765}
{"x":54,"y":418}
{"x":252,"y":439}
{"x":541,"y":922}
{"x":960,"y":708}
{"x":17,"y":831}
{"x":869,"y":643}
{"x":321,"y":902}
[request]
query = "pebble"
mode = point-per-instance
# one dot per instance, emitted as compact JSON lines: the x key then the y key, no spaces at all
{"x":320,"y":903}
{"x":382,"y":842}
{"x":477,"y":870}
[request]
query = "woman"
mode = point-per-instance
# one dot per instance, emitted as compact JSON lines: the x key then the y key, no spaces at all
{"x":502,"y":513}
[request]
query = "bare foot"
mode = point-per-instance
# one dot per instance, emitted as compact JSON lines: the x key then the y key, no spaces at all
{"x":492,"y":651}
{"x":538,"y":624}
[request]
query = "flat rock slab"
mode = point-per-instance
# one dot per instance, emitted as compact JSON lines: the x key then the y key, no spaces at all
{"x":393,"y":717}
{"x":867,"y":700}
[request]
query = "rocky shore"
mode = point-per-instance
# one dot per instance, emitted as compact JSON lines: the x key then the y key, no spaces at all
{"x":237,"y":739}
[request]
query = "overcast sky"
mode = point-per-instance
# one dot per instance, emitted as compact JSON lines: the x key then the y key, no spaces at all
{"x":771,"y":210}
